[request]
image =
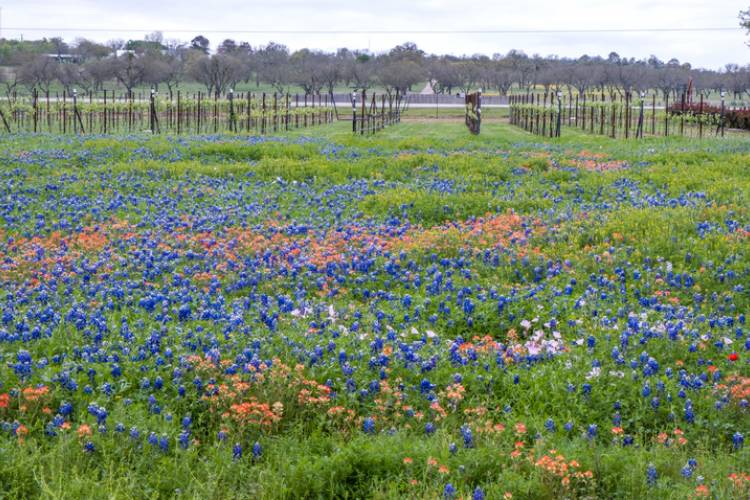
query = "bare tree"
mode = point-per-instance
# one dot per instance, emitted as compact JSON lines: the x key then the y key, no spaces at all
{"x":549,"y":77}
{"x":60,"y":46}
{"x":173,"y":73}
{"x":67,"y":75}
{"x":467,"y":75}
{"x":736,"y":79}
{"x":668,"y":80}
{"x":217,"y":72}
{"x":398,"y":75}
{"x":334,"y":67}
{"x":360,"y":72}
{"x":38,"y":72}
{"x":99,"y":71}
{"x":228,"y":46}
{"x":522,"y":66}
{"x":88,"y":50}
{"x":443,"y":75}
{"x":9,"y":80}
{"x":273,"y":66}
{"x":308,"y":70}
{"x":502,"y":76}
{"x":115,"y":44}
{"x":129,"y":70}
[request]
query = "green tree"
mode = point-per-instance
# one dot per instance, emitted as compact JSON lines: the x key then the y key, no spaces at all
{"x":745,"y":20}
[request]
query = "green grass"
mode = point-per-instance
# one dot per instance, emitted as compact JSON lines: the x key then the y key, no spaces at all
{"x":594,"y":207}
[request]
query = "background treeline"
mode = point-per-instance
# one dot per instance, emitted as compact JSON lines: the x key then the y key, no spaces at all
{"x":54,"y":65}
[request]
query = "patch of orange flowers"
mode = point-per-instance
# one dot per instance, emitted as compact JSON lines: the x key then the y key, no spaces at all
{"x":557,"y":465}
{"x":741,"y":480}
{"x":739,"y":387}
{"x":31,"y":394}
{"x":253,"y":413}
{"x":314,"y":393}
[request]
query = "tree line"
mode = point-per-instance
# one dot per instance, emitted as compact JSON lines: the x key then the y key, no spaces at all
{"x":166,"y":64}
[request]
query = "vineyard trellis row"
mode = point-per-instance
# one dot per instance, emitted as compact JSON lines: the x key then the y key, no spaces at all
{"x":623,"y":115}
{"x":105,"y":112}
{"x":370,"y":114}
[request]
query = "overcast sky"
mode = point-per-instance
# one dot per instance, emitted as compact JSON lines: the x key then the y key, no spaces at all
{"x":241,"y":19}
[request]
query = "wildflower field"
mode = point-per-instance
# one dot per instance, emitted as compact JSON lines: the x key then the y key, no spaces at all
{"x":417,"y":314}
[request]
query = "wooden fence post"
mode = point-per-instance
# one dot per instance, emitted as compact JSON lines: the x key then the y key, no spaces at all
{"x":682,"y":115}
{"x":362,"y":118}
{"x":354,"y":112}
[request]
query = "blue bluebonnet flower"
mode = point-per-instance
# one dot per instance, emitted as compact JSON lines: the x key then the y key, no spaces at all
{"x":237,"y":451}
{"x":651,"y":474}
{"x":449,"y":491}
{"x":592,"y":431}
{"x":184,"y":439}
{"x":738,"y":439}
{"x":65,"y":408}
{"x":99,"y":412}
{"x":689,"y":414}
{"x":368,"y":425}
{"x":468,"y":436}
{"x":686,"y":471}
{"x":550,"y":425}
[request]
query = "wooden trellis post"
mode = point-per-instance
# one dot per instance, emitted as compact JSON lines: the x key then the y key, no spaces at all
{"x":354,"y":112}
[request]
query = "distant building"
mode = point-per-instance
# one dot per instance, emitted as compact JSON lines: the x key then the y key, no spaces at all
{"x":64,"y":58}
{"x":122,"y":52}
